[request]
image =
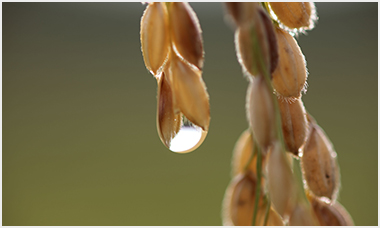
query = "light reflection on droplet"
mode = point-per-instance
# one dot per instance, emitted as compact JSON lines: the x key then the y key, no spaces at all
{"x":188,"y":138}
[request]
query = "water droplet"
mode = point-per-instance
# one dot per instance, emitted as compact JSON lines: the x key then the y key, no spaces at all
{"x":188,"y":138}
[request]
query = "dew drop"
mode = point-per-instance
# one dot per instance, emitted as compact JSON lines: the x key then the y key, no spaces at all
{"x":188,"y":138}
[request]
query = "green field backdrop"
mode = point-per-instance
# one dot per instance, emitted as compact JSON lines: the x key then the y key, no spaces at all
{"x":80,"y":145}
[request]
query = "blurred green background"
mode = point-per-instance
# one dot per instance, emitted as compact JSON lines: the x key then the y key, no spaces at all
{"x":80,"y":145}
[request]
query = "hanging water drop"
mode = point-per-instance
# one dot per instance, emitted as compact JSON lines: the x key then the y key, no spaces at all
{"x":188,"y":138}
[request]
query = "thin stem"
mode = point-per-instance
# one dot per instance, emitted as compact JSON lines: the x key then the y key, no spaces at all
{"x":254,"y":151}
{"x":258,"y":185}
{"x":267,"y":212}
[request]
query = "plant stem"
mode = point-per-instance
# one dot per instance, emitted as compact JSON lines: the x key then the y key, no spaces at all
{"x":254,"y":151}
{"x":267,"y":212}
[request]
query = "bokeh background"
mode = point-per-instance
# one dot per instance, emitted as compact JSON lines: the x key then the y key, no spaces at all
{"x":80,"y":145}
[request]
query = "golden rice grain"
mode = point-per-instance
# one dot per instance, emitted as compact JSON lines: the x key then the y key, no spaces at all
{"x":330,"y":214}
{"x":256,"y":45}
{"x":280,"y":181}
{"x":294,"y":124}
{"x":260,"y":112}
{"x":154,"y":37}
{"x":289,"y":77}
{"x":186,"y":33}
{"x":319,"y":165}
{"x":168,"y":123}
{"x":295,"y":15}
{"x":239,"y":201}
{"x":190,"y":92}
{"x":242,"y":153}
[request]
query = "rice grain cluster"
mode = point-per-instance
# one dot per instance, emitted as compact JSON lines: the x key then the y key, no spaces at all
{"x":281,"y":133}
{"x":172,"y":47}
{"x":284,"y":167}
